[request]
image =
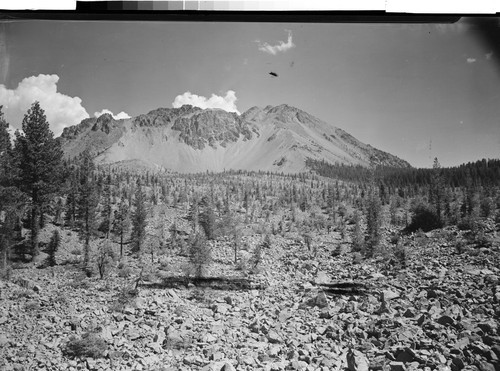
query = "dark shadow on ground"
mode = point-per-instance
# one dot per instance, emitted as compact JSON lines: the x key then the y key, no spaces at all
{"x":216,"y":283}
{"x":344,"y":288}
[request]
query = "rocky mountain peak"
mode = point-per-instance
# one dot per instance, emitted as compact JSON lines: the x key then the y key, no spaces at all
{"x":187,"y":138}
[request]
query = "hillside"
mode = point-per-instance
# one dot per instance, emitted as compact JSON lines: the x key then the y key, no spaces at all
{"x":189,"y":139}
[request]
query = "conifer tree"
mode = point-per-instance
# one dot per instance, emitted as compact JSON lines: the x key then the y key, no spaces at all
{"x":106,"y":211}
{"x":436,"y":190}
{"x":139,"y":219}
{"x":72,"y":198}
{"x":87,"y":203}
{"x":39,"y":156}
{"x":12,"y":200}
{"x":373,"y":223}
{"x":121,"y":222}
{"x":207,"y":217}
{"x":54,"y":243}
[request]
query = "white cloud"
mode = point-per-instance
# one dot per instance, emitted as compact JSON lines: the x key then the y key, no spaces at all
{"x":471,"y":60}
{"x":227,"y":103}
{"x":489,"y":55}
{"x":121,"y":115}
{"x":280,"y":47}
{"x":61,"y":110}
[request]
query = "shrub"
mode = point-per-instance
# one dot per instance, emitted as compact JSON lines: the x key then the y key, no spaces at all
{"x":89,"y":345}
{"x":124,"y":271}
{"x":401,"y":254}
{"x":32,"y":305}
{"x":126,"y":297}
{"x":105,"y":256}
{"x":200,"y":254}
{"x":256,"y":257}
{"x":54,"y":243}
{"x":424,"y":218}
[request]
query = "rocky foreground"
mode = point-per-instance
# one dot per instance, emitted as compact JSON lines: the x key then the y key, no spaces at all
{"x":331,"y":311}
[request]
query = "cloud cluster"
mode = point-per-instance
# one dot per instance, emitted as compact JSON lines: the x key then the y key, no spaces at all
{"x":280,"y":47}
{"x":227,"y":103}
{"x":61,"y":110}
{"x":121,"y":115}
{"x":471,"y":60}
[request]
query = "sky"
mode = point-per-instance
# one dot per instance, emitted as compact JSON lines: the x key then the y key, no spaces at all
{"x":417,"y":91}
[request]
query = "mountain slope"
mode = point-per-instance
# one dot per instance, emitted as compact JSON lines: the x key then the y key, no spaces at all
{"x":189,"y":139}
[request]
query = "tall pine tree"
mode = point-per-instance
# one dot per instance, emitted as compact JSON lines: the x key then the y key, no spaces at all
{"x":12,"y":201}
{"x":121,"y":222}
{"x":87,"y":203}
{"x":39,"y":156}
{"x":139,"y":219}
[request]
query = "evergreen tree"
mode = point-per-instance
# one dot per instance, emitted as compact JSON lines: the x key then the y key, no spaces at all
{"x":39,"y":156}
{"x":193,"y":214}
{"x":357,"y":235}
{"x":373,"y":223}
{"x":72,"y":198}
{"x":436,"y":190}
{"x":106,"y":211}
{"x":87,"y":203}
{"x":53,"y":246}
{"x":12,"y":201}
{"x":200,"y":253}
{"x":207,"y":217}
{"x":139,"y":219}
{"x":121,"y":222}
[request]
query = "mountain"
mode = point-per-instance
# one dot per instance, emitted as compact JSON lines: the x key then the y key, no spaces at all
{"x":190,"y":139}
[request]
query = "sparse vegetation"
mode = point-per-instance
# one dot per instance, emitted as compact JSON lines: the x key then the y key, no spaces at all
{"x":223,"y":228}
{"x":88,"y":345}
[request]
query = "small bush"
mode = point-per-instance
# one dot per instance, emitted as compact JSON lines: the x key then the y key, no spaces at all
{"x":21,"y":293}
{"x":460,"y":247}
{"x":76,"y":251}
{"x":126,"y":297}
{"x":424,"y":218}
{"x":256,"y":258}
{"x":357,"y":258}
{"x":401,"y":254}
{"x":53,"y":246}
{"x":79,"y":282}
{"x":124,"y":271}
{"x":105,"y":256}
{"x":90,"y":345}
{"x":6,"y":274}
{"x":32,"y":305}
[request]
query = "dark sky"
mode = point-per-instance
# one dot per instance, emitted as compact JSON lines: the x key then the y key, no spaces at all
{"x":417,"y":91}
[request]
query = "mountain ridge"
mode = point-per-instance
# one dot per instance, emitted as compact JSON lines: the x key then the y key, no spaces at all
{"x":190,"y":139}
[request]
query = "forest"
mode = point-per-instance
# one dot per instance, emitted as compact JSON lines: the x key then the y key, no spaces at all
{"x":121,"y":229}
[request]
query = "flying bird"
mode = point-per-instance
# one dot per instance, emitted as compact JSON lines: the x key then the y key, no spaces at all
{"x":273,"y":74}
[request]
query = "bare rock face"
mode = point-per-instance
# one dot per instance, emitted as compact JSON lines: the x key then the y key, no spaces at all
{"x":211,"y":127}
{"x":191,"y":139}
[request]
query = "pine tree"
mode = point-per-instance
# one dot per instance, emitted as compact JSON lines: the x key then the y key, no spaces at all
{"x":193,"y":215}
{"x":72,"y":198}
{"x":207,"y":217}
{"x":436,"y":190}
{"x":87,"y":203}
{"x":12,"y":201}
{"x":106,"y":212}
{"x":39,"y":156}
{"x":54,"y":243}
{"x":200,"y":254}
{"x":139,"y":219}
{"x":121,"y":222}
{"x":357,"y":235}
{"x":373,"y":223}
